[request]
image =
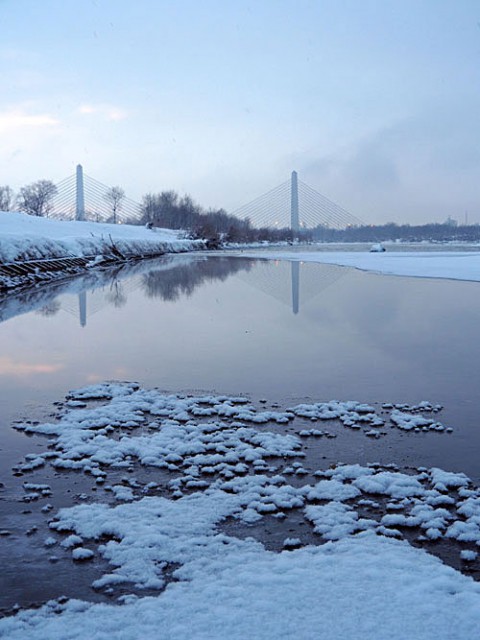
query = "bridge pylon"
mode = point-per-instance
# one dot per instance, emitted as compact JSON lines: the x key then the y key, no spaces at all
{"x":80,"y":195}
{"x":294,"y":210}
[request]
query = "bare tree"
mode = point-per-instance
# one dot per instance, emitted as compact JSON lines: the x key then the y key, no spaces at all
{"x":115,"y":197}
{"x":36,"y":199}
{"x":149,"y":208}
{"x":6,"y":198}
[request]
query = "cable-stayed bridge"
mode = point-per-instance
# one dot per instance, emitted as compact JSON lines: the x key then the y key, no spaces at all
{"x":291,"y":205}
{"x":295,"y":205}
{"x":81,"y":197}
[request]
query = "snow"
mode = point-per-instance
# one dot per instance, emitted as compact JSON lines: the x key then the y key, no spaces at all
{"x":454,"y":265}
{"x":25,"y":237}
{"x":443,"y":480}
{"x":407,"y":422}
{"x":396,"y":485}
{"x":84,"y":436}
{"x":335,"y":520}
{"x":71,"y":541}
{"x":332,"y":490}
{"x":80,"y":554}
{"x":362,"y":578}
{"x":205,"y":434}
{"x":291,"y":543}
{"x":356,"y":415}
{"x":359,"y":587}
{"x":50,"y":541}
{"x":122,"y":493}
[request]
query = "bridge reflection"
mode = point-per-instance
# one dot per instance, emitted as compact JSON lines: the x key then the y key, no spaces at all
{"x":168,"y":278}
{"x":291,"y":282}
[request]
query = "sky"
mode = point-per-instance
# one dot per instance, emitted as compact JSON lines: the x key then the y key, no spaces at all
{"x":375,"y":103}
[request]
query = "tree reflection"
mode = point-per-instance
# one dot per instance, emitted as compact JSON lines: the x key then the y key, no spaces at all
{"x":116,"y":295}
{"x":185,"y":278}
{"x":50,"y":309}
{"x":168,"y":278}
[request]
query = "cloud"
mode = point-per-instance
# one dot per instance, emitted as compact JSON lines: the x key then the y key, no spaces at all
{"x":440,"y":141}
{"x":86,"y":109}
{"x":26,"y":133}
{"x":105,"y":111}
{"x":15,"y":119}
{"x":420,"y":168}
{"x":373,"y":164}
{"x":368,"y":164}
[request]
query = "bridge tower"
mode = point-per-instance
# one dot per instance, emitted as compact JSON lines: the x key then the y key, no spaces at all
{"x":294,"y":216}
{"x":80,"y":195}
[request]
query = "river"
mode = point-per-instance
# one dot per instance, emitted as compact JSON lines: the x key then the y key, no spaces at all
{"x":277,"y":331}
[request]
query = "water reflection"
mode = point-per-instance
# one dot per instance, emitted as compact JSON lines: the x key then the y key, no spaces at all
{"x":171,"y":278}
{"x":172,"y":284}
{"x":12,"y":367}
{"x":293,"y":282}
{"x":167,"y":278}
{"x":226,"y":324}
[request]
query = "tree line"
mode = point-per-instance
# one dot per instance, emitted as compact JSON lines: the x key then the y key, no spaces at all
{"x":170,"y":210}
{"x":434,"y":232}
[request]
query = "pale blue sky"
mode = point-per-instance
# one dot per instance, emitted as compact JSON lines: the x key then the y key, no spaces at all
{"x":376,"y":103}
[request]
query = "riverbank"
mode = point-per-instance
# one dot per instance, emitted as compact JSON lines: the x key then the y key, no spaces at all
{"x":34,"y":249}
{"x":451,"y":263}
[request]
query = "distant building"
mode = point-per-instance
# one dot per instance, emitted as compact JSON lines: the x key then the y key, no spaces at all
{"x":451,"y":222}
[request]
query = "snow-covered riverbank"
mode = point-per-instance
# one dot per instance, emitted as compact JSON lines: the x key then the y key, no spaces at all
{"x":453,"y":265}
{"x":25,"y":240}
{"x":24,"y":237}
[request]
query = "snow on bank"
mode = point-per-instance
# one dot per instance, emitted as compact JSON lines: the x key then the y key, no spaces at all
{"x":24,"y":237}
{"x":452,"y":265}
{"x":362,"y":582}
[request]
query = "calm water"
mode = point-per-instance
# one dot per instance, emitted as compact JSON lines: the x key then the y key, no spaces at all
{"x":275,"y":329}
{"x":280,"y":331}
